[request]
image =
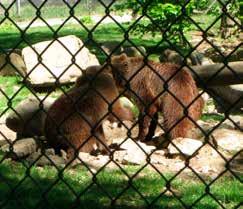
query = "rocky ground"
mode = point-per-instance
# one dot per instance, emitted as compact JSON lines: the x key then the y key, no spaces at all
{"x":183,"y":155}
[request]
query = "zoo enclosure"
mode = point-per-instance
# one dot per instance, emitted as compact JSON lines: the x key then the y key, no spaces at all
{"x":165,"y":38}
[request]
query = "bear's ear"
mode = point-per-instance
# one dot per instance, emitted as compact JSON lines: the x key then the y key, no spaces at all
{"x":120,"y":58}
{"x":105,"y":68}
{"x":123,"y":57}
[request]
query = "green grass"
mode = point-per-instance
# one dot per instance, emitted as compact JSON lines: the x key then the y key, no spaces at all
{"x":12,"y":37}
{"x":13,"y":92}
{"x":212,"y":117}
{"x":25,"y":186}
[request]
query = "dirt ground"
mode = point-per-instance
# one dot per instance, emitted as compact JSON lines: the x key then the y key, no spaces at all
{"x":208,"y":161}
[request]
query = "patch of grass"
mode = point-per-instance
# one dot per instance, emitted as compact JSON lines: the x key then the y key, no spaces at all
{"x":15,"y":38}
{"x":25,"y":186}
{"x":11,"y":92}
{"x":212,"y":117}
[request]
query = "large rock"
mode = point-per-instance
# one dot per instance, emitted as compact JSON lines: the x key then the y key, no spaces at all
{"x":56,"y":61}
{"x":12,"y":65}
{"x":134,"y":153}
{"x":6,"y":135}
{"x":28,"y":119}
{"x":229,"y":140}
{"x":21,"y":148}
{"x":195,"y":58}
{"x":184,"y":146}
{"x":94,"y":163}
{"x":236,"y":165}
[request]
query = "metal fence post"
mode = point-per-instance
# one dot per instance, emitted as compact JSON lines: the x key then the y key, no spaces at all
{"x":18,"y":7}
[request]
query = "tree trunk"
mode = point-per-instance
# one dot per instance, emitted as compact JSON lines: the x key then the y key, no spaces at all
{"x":223,"y":26}
{"x":218,"y":74}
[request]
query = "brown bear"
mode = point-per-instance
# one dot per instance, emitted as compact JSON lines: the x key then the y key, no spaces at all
{"x":159,"y":87}
{"x":74,"y":121}
{"x":122,"y":113}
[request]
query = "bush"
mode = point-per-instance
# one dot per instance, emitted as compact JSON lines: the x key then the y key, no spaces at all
{"x":168,"y":18}
{"x":86,"y":20}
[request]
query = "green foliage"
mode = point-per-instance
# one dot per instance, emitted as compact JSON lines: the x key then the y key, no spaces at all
{"x":6,"y":26}
{"x":241,"y":11}
{"x":168,"y":17}
{"x":210,"y":6}
{"x":215,"y":7}
{"x":86,"y":20}
{"x":201,"y":4}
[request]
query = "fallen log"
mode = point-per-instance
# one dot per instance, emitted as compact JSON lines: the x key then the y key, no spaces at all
{"x":217,"y":74}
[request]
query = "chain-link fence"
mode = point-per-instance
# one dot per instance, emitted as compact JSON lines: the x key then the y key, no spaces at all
{"x":51,"y":9}
{"x":132,"y":105}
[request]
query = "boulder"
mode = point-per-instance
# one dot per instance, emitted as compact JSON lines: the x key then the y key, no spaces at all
{"x":236,"y":165}
{"x":94,"y":163}
{"x":229,"y":140}
{"x":21,"y":148}
{"x":63,"y":58}
{"x":186,"y":146}
{"x":11,"y":65}
{"x":195,"y":58}
{"x":6,"y":135}
{"x":28,"y":119}
{"x":134,"y":154}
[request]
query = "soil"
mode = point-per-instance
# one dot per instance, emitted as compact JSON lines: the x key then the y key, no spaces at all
{"x":209,"y":161}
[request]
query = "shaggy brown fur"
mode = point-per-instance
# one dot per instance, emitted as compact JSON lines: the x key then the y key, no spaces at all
{"x":75,"y":119}
{"x":121,"y":112}
{"x":159,"y":87}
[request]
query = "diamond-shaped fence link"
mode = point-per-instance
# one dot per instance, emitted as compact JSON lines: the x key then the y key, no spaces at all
{"x":121,"y":104}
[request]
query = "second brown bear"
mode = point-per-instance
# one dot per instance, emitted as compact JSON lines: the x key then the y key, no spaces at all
{"x":74,"y":121}
{"x":159,"y":87}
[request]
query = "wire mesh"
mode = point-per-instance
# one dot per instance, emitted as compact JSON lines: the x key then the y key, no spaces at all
{"x":84,"y":107}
